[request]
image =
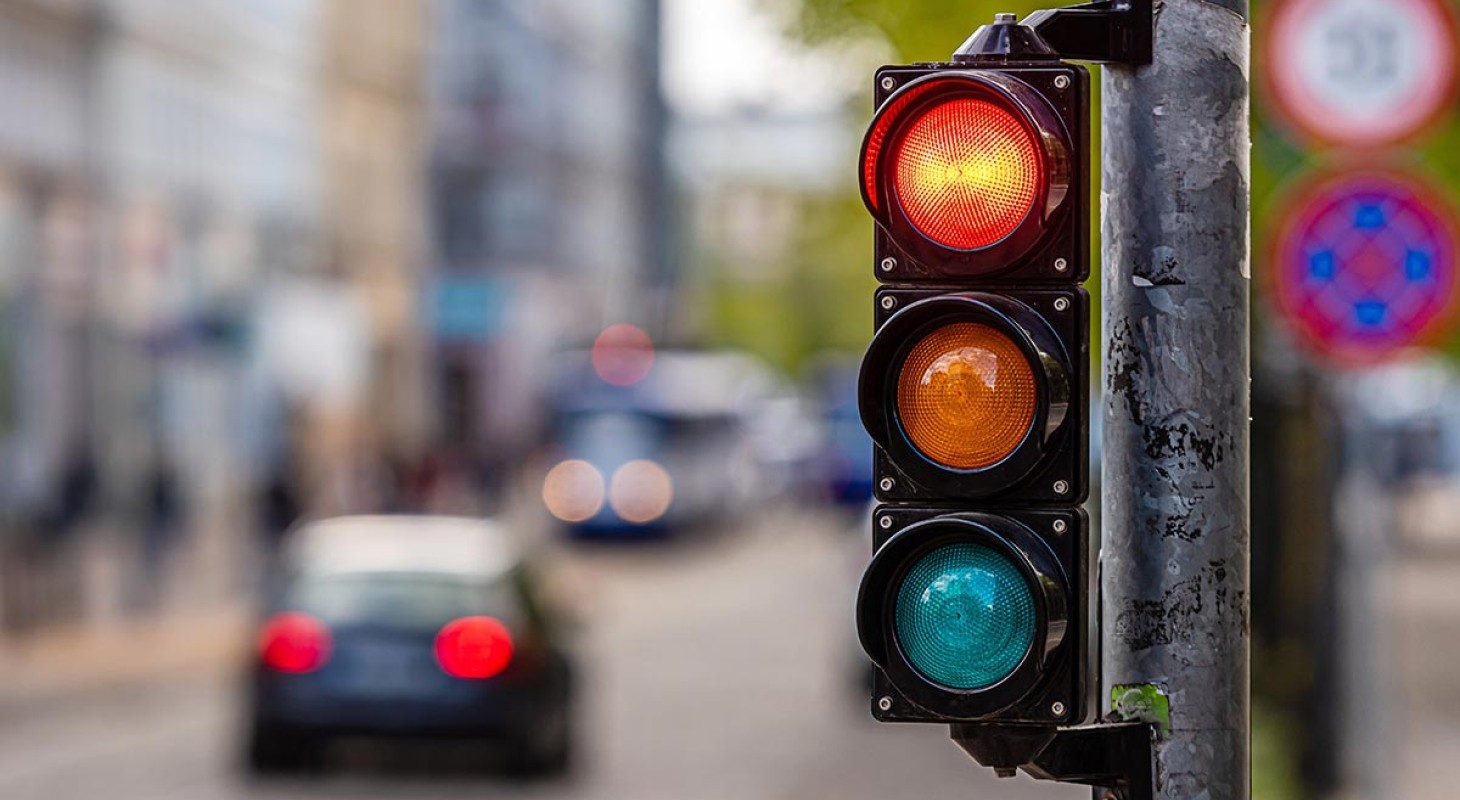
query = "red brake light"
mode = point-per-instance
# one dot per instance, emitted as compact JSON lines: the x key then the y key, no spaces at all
{"x":474,"y":647}
{"x":967,"y":172}
{"x":295,"y":643}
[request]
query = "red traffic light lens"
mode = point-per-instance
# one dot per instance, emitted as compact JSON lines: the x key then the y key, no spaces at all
{"x":967,"y":172}
{"x":966,"y":395}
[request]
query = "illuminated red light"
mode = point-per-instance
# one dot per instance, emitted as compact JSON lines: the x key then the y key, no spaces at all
{"x":474,"y":648}
{"x":967,"y":172}
{"x":623,"y":354}
{"x":294,"y":643}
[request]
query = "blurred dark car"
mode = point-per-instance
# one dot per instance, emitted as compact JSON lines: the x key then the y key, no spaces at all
{"x":421,"y":627}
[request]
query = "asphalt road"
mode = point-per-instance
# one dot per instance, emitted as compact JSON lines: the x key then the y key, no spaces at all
{"x":714,"y":669}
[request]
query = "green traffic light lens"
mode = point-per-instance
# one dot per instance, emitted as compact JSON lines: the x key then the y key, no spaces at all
{"x":965,"y":616}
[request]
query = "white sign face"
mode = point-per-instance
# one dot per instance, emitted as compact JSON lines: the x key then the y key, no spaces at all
{"x":1361,"y":72}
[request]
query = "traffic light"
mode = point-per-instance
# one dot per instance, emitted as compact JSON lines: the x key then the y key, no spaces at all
{"x":976,"y":605}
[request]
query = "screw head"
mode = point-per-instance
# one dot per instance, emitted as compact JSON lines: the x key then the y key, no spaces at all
{"x":1062,"y":82}
{"x":884,"y":523}
{"x":885,"y":484}
{"x":1061,"y":304}
{"x":889,"y":264}
{"x":1057,"y":708}
{"x":889,"y":302}
{"x":1060,"y":526}
{"x":884,"y":703}
{"x":1060,"y":265}
{"x":1061,"y":487}
{"x":889,"y":83}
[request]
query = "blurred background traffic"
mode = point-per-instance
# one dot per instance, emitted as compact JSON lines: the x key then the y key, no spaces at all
{"x":597,"y":271}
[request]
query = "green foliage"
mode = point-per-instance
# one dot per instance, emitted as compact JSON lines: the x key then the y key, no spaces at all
{"x":1274,"y":774}
{"x":819,"y":302}
{"x":917,"y":30}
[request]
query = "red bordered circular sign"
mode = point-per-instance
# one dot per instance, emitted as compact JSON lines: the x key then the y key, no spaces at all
{"x":1360,"y":73}
{"x":1364,"y":265}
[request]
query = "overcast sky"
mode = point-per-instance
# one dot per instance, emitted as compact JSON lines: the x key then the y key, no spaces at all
{"x":724,"y":55}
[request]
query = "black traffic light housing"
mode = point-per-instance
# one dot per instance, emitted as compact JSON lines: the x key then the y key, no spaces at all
{"x":1018,"y":123}
{"x":1051,"y":686}
{"x":983,"y":216}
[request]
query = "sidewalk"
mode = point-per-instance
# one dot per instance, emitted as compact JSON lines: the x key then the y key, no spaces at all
{"x":197,"y":624}
{"x":73,"y":661}
{"x":1426,"y":616}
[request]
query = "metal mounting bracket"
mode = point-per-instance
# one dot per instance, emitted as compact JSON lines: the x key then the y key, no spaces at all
{"x":1116,"y":756}
{"x":1104,"y":32}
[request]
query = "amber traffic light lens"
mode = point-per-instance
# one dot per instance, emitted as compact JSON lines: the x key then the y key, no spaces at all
{"x":966,"y":395}
{"x":967,"y":173}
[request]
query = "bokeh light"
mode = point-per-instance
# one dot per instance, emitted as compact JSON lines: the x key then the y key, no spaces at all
{"x":573,"y":491}
{"x":623,"y":354}
{"x":641,"y":492}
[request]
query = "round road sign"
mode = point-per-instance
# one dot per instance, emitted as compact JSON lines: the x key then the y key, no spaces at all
{"x":1364,"y":265}
{"x":1360,"y":72}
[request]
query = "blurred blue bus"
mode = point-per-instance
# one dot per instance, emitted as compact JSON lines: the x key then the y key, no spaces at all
{"x":672,"y":452}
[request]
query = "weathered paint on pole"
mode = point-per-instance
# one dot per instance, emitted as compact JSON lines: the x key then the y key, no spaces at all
{"x":1175,"y":448}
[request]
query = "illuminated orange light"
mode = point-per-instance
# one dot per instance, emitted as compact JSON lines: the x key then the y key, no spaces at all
{"x":640,"y":492}
{"x":967,"y":173}
{"x":966,"y":395}
{"x":573,"y":491}
{"x":623,"y":354}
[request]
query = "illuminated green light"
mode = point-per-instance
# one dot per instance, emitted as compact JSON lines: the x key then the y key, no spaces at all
{"x":965,"y":616}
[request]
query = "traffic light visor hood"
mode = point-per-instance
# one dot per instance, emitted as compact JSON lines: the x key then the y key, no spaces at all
{"x":965,"y":162}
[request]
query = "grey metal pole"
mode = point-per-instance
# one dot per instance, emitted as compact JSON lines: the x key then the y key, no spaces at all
{"x":1175,"y":450}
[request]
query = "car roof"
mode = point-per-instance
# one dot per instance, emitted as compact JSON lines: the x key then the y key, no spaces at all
{"x":448,"y":546}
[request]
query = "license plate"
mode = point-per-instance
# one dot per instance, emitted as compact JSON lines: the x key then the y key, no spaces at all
{"x":387,"y":672}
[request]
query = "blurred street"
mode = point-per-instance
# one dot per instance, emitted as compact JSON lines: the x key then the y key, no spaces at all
{"x":499,"y":369}
{"x":695,"y":686}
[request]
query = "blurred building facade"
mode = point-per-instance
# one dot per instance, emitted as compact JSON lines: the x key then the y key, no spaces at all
{"x":210,"y":236}
{"x":376,"y":133}
{"x":549,"y":218}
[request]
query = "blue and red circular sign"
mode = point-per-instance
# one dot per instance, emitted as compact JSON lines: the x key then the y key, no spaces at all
{"x":1365,"y":265}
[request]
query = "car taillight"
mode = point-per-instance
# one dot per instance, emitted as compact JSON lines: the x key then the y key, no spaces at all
{"x":474,"y":647}
{"x":294,"y":643}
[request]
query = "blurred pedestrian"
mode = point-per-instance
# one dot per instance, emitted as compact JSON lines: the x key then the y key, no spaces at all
{"x":161,"y":526}
{"x":280,"y":504}
{"x":74,"y":493}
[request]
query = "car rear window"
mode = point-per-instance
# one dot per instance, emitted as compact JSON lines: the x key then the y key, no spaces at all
{"x":400,"y":600}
